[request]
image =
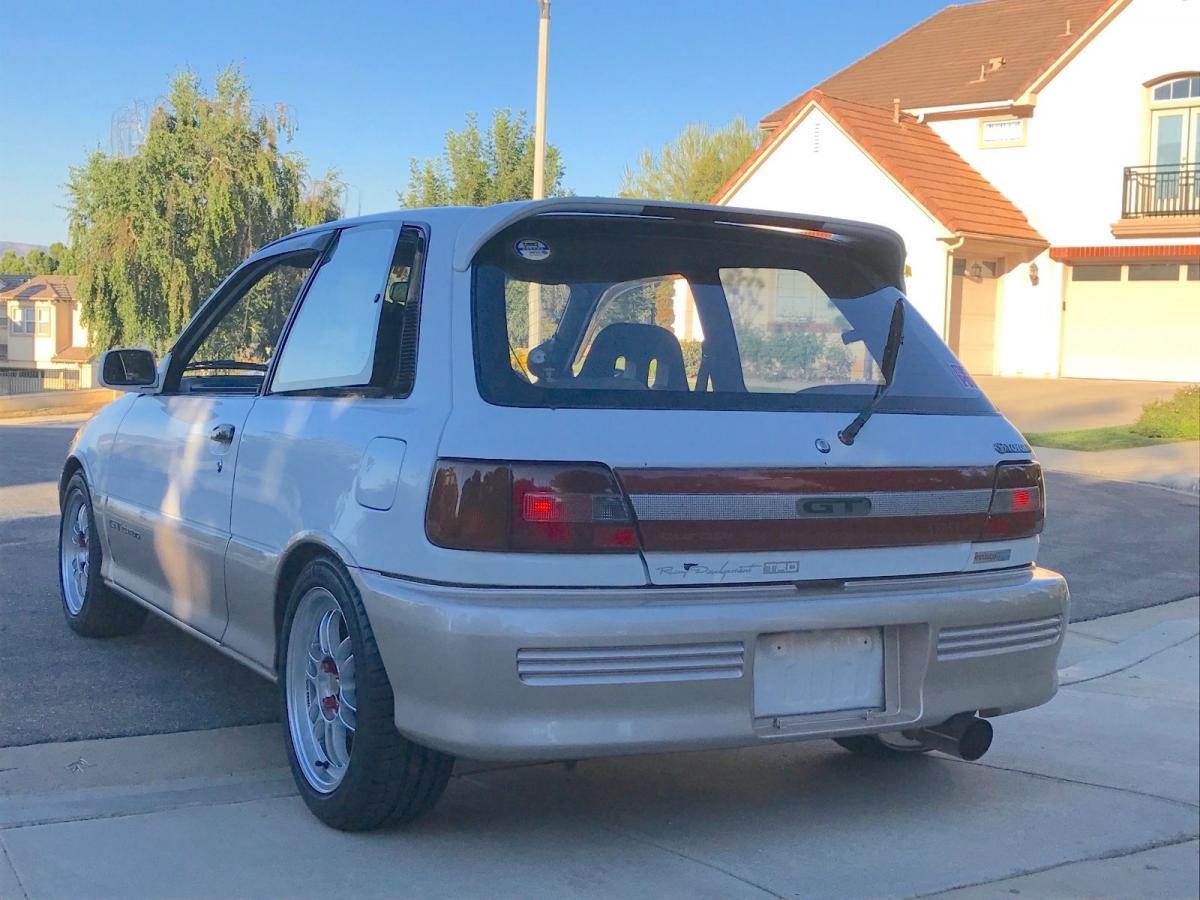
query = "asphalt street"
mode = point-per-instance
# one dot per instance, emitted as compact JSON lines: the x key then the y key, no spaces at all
{"x":1122,"y":547}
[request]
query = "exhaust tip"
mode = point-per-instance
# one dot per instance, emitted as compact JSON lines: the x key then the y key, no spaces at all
{"x":966,"y":736}
{"x":976,"y":739}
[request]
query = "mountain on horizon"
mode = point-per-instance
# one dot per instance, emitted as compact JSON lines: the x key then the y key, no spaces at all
{"x":19,"y":248}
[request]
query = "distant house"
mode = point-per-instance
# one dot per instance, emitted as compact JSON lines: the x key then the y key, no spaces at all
{"x":40,"y":326}
{"x":1040,"y":158}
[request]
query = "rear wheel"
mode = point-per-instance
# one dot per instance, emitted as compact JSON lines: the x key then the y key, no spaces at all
{"x":92,"y":608}
{"x":881,"y":746}
{"x":354,"y":770}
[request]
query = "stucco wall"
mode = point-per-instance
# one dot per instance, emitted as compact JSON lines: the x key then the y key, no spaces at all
{"x":1090,"y":122}
{"x":818,"y":170}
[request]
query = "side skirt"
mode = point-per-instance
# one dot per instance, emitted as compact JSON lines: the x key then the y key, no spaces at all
{"x":198,"y":635}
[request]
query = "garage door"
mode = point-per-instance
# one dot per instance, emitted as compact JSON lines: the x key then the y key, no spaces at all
{"x":1136,"y":322}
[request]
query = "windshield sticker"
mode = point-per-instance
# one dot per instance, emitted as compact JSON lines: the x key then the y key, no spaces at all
{"x":532,"y":248}
{"x":963,"y":378}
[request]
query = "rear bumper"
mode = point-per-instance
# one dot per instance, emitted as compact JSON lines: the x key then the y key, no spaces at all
{"x":951,"y":644}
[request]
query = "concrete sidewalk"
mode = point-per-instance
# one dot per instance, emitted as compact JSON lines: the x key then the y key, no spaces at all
{"x":1095,"y":794}
{"x":1175,"y":466}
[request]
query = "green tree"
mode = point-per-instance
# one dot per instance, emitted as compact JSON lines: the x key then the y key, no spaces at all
{"x":11,"y":264}
{"x":693,"y":166}
{"x":478,"y":169}
{"x":153,"y":233}
{"x":62,"y":259}
{"x":39,"y":262}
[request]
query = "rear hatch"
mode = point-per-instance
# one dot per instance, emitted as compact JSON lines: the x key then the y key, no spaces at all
{"x":710,"y":372}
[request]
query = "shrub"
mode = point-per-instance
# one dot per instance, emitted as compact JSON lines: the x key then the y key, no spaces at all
{"x":1178,"y":417}
{"x":692,"y":351}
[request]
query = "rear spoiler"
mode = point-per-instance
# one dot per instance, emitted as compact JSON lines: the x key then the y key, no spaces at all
{"x":883,"y":247}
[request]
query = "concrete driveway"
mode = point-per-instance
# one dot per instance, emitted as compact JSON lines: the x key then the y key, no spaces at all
{"x":1092,"y":795}
{"x":1063,"y":404}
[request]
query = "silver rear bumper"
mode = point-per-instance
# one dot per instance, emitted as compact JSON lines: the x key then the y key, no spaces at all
{"x":562,"y":674}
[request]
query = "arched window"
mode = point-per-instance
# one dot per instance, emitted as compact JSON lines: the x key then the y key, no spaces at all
{"x":1184,"y":88}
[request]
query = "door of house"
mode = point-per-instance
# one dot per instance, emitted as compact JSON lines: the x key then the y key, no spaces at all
{"x":973,"y":314}
{"x":1175,"y":152}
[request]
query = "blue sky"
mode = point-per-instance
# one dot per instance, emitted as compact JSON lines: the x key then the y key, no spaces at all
{"x":371,"y":84}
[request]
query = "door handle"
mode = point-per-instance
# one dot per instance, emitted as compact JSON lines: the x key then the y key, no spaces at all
{"x":223,"y":434}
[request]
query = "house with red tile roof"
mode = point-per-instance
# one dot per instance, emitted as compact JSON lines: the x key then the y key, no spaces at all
{"x":40,"y":327}
{"x":1040,"y":158}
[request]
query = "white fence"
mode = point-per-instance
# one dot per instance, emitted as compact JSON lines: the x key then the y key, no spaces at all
{"x":35,"y":381}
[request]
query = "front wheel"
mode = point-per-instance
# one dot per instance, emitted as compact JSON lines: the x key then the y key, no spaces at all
{"x":355,"y":771}
{"x":92,"y":608}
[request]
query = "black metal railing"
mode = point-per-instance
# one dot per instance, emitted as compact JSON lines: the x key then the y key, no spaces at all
{"x":1168,"y":190}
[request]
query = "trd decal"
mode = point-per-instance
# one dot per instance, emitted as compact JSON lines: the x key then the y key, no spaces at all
{"x":122,"y":528}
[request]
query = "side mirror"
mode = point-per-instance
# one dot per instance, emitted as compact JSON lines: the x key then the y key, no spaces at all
{"x":128,"y":369}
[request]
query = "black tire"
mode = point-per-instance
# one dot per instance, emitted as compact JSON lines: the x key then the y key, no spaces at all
{"x":389,"y":779}
{"x":104,"y":613}
{"x":870,"y":745}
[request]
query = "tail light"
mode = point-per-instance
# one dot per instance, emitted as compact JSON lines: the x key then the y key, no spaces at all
{"x":528,"y":507}
{"x":1018,"y":502}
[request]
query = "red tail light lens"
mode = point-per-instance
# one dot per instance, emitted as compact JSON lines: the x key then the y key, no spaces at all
{"x":528,"y":507}
{"x":1018,"y":502}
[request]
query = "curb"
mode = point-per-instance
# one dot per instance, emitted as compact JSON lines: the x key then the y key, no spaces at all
{"x":1130,"y":651}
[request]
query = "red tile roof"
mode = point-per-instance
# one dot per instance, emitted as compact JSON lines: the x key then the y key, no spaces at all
{"x":43,"y":287}
{"x":921,"y":162}
{"x":1166,"y":252}
{"x":74,"y":355}
{"x":939,"y":61}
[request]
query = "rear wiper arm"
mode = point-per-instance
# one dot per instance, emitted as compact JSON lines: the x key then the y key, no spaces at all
{"x":891,"y":350}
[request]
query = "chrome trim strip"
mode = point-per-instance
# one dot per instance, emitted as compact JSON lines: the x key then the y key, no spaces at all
{"x":842,"y":505}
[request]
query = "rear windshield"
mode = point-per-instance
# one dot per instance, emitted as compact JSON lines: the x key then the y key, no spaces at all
{"x":642,"y":313}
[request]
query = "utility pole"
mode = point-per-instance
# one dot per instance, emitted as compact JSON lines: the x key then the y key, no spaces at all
{"x":539,"y":158}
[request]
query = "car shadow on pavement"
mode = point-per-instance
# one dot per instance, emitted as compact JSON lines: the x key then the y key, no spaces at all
{"x":66,"y":687}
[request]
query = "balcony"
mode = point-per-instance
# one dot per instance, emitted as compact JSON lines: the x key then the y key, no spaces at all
{"x":1160,"y":201}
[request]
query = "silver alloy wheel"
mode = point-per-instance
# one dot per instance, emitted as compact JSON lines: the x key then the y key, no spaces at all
{"x":320,"y":690}
{"x":73,"y":552}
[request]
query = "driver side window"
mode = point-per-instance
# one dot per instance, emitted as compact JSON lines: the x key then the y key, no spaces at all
{"x":235,"y":353}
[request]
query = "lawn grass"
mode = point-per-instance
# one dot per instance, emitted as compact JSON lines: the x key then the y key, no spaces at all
{"x":1161,"y":422}
{"x":1114,"y":437}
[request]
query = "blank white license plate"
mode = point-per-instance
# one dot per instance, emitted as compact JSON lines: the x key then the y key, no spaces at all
{"x":802,"y":672}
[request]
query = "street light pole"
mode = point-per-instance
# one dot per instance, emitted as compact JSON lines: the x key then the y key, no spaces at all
{"x":539,"y":158}
{"x":539,"y":121}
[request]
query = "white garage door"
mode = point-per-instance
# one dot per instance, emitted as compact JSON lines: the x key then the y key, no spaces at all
{"x":1137,"y":322}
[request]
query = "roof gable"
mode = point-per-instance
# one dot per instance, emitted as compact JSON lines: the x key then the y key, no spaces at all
{"x":58,"y":288}
{"x":991,"y":51}
{"x":917,"y":159}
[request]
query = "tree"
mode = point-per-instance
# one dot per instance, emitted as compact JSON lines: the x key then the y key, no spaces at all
{"x":11,"y":264}
{"x":154,"y":232}
{"x":478,"y":169}
{"x":39,"y":262}
{"x":62,"y":259}
{"x":693,"y":166}
{"x":56,"y":259}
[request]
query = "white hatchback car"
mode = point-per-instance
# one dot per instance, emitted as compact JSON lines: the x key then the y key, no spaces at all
{"x":569,"y":478}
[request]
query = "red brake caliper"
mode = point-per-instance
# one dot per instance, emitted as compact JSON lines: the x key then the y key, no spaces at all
{"x":330,"y":703}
